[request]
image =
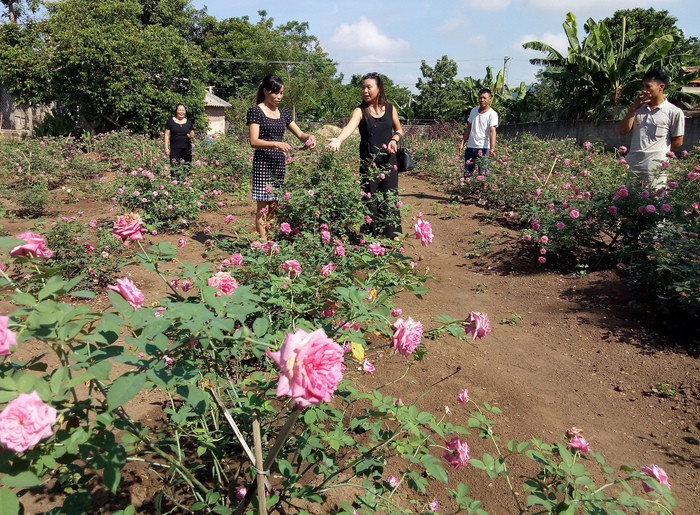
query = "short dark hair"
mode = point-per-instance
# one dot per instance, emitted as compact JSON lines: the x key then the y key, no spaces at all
{"x":485,"y":90}
{"x":272,"y":83}
{"x":381,"y":97}
{"x":657,"y":75}
{"x":183,"y":105}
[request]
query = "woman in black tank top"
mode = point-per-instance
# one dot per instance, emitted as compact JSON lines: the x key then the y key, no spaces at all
{"x":380,"y":131}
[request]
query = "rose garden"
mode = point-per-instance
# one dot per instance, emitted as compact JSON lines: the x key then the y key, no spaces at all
{"x":268,"y":358}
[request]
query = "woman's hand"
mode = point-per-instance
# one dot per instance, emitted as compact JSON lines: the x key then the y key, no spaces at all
{"x":333,"y":144}
{"x":283,"y":146}
{"x":392,"y":147}
{"x":311,"y":142}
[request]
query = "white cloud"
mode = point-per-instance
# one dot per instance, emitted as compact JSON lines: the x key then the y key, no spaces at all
{"x":557,"y":40}
{"x":488,"y":5}
{"x":364,"y":36}
{"x":477,"y":41}
{"x":594,"y":5}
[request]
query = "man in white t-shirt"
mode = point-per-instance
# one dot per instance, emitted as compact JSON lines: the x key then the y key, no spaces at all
{"x":657,"y":128}
{"x":480,"y":134}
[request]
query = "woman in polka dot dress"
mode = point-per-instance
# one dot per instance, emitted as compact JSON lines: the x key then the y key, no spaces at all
{"x":266,"y":125}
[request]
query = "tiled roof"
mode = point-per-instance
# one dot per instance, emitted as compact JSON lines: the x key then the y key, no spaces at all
{"x":211,"y":100}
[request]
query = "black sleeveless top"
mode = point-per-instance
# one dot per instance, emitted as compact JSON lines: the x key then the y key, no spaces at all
{"x":375,"y":132}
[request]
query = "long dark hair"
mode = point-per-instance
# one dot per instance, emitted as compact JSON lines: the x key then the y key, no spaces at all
{"x":381,"y":97}
{"x":272,"y":83}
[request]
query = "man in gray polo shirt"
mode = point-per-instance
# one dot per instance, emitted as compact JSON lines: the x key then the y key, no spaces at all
{"x":657,"y":128}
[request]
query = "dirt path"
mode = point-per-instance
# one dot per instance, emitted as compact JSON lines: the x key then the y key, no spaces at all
{"x":578,"y":357}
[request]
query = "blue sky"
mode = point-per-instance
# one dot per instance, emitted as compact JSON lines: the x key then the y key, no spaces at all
{"x":392,"y":37}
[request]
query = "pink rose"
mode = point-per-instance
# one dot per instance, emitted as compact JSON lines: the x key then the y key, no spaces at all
{"x":433,"y":506}
{"x":327,"y":269}
{"x":181,"y":242}
{"x":623,"y":149}
{"x":292,"y":267}
{"x":666,"y":208}
{"x":310,"y":193}
{"x":393,"y":481}
{"x":271,"y":247}
{"x":311,"y":366}
{"x":574,"y":213}
{"x":8,"y":338}
{"x":128,"y":227}
{"x":240,"y":494}
{"x":579,"y":443}
{"x":560,"y":225}
{"x":228,"y":219}
{"x":285,"y":228}
{"x":463,"y":396}
{"x":339,"y":251}
{"x":457,"y":453}
{"x":424,"y":232}
{"x":325,"y":236}
{"x":407,"y":336}
{"x":367,"y":366}
{"x":541,"y":260}
{"x":657,"y":473}
{"x":236,"y":259}
{"x":477,"y":324}
{"x":396,"y":312}
{"x":651,"y":208}
{"x":25,"y":421}
{"x":127,"y":289}
{"x":544,"y":240}
{"x":376,"y":249}
{"x":224,"y":282}
{"x":612,"y":210}
{"x":35,"y":246}
{"x":587,"y":145}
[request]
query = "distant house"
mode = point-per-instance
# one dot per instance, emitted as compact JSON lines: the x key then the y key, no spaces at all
{"x":694,"y":85}
{"x":214,"y":108}
{"x":19,"y":117}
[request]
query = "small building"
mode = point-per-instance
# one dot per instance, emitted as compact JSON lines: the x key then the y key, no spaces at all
{"x":694,"y":85}
{"x":215,"y":108}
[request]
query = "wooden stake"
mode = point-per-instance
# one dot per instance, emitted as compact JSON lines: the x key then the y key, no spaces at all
{"x":257,"y":444}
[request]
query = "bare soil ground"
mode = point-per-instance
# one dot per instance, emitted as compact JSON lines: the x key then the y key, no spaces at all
{"x":573,"y":350}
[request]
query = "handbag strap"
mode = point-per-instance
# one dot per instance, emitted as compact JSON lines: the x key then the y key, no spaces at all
{"x":401,"y":142}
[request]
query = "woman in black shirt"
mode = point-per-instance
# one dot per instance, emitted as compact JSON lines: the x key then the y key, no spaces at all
{"x":179,"y":132}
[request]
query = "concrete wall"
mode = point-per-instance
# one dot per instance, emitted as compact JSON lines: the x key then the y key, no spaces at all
{"x":605,"y":132}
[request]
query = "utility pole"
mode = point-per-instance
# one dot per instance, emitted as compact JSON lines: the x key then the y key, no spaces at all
{"x":505,"y":72}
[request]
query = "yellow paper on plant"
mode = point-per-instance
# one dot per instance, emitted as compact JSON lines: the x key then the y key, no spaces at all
{"x":358,"y":351}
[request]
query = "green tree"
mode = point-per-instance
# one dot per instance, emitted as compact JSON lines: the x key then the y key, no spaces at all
{"x":600,"y":75}
{"x":437,"y":88}
{"x":105,"y":66}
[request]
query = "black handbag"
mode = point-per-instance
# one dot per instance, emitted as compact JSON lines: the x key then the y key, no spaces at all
{"x":404,"y":161}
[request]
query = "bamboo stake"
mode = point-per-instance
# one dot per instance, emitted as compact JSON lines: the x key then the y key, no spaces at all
{"x":260,"y":474}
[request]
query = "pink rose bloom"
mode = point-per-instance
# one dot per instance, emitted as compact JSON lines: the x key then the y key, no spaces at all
{"x":587,"y":145}
{"x":127,"y":289}
{"x":310,"y":193}
{"x":324,"y":227}
{"x":325,"y":236}
{"x":433,"y":506}
{"x":527,"y":237}
{"x":665,"y":164}
{"x":285,"y":228}
{"x":292,"y":267}
{"x":240,"y":494}
{"x":642,"y":210}
{"x":541,"y":260}
{"x":393,"y":481}
{"x":666,"y":208}
{"x":8,"y":338}
{"x":311,"y":366}
{"x":181,"y":242}
{"x":477,"y":324}
{"x":236,"y":259}
{"x":327,"y":269}
{"x":579,"y":443}
{"x":574,"y":213}
{"x":186,"y":285}
{"x":407,"y":336}
{"x":424,"y":232}
{"x":560,"y":225}
{"x":287,"y":195}
{"x":544,"y":240}
{"x":128,"y":227}
{"x":623,"y":149}
{"x":368,"y":219}
{"x":463,"y":396}
{"x":651,"y":208}
{"x":657,"y":473}
{"x":457,"y":453}
{"x":25,"y":421}
{"x":399,"y":203}
{"x":271,"y":247}
{"x":396,"y":312}
{"x":612,"y":210}
{"x":224,"y":282}
{"x":35,"y":246}
{"x":228,"y":219}
{"x":376,"y":249}
{"x":339,"y":251}
{"x":367,"y":366}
